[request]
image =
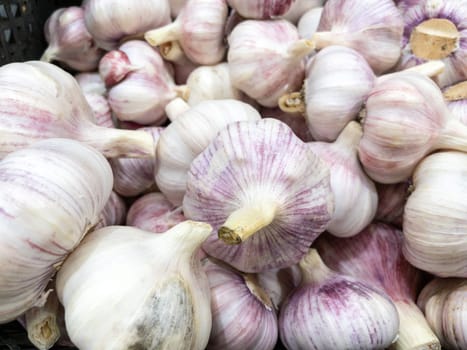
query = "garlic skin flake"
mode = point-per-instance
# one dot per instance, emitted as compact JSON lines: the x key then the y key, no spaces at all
{"x":187,"y":136}
{"x":355,"y":193}
{"x":332,"y":311}
{"x":154,"y":294}
{"x":48,"y":203}
{"x":266,"y":59}
{"x":265,"y":193}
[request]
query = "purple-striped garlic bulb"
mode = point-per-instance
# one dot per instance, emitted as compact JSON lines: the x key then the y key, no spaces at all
{"x":48,"y":203}
{"x":38,"y":100}
{"x":279,"y":283}
{"x":299,"y":8}
{"x":211,"y":83}
{"x":199,"y":28}
{"x":154,"y":213}
{"x":114,"y":212}
{"x":374,"y":256}
{"x":127,"y":18}
{"x":373,"y":28}
{"x":436,"y":30}
{"x":133,"y":176}
{"x":125,"y":288}
{"x":456,"y":100}
{"x":69,"y":41}
{"x":264,"y":192}
{"x":243,"y":316}
{"x":355,"y":194}
{"x":332,"y":311}
{"x":444,"y":302}
{"x":142,"y":92}
{"x":391,"y":202}
{"x":309,"y":22}
{"x":261,"y":9}
{"x":434,"y":227}
{"x":294,"y":120}
{"x":266,"y":59}
{"x":187,"y":136}
{"x":393,"y":143}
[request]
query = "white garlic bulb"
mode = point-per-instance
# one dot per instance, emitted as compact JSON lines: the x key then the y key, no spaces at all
{"x":299,"y":7}
{"x":48,"y":202}
{"x":114,"y":212}
{"x":355,"y":193}
{"x":332,"y":311}
{"x":126,"y":18}
{"x":266,"y":59}
{"x":187,"y":136}
{"x":154,"y":294}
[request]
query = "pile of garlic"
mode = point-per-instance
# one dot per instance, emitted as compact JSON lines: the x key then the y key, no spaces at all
{"x":238,"y":174}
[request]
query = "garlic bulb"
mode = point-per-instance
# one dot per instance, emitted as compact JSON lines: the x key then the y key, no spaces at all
{"x":38,"y":100}
{"x":294,"y":120}
{"x":266,"y":59}
{"x":211,"y":83}
{"x":154,"y":213}
{"x":133,"y":176}
{"x":373,"y":28}
{"x":391,"y":202}
{"x":199,"y":28}
{"x":48,"y":203}
{"x":114,"y":212}
{"x":265,"y":193}
{"x":187,"y":136}
{"x":126,"y":18}
{"x":309,"y":22}
{"x":69,"y":40}
{"x":243,"y":316}
{"x":374,"y":256}
{"x":154,"y":294}
{"x":393,"y":144}
{"x":278,"y":283}
{"x":444,"y":303}
{"x":261,"y":9}
{"x":299,"y":7}
{"x":356,"y":196}
{"x":114,"y":67}
{"x":436,"y":30}
{"x":434,"y":226}
{"x":91,"y":83}
{"x":176,"y":107}
{"x":143,"y":93}
{"x":332,"y":311}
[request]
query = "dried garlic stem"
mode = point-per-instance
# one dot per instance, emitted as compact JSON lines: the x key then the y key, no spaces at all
{"x":430,"y":69}
{"x":169,"y":32}
{"x":244,"y":222}
{"x":300,"y":48}
{"x":171,"y":51}
{"x":456,"y":92}
{"x":313,"y":268}
{"x":323,"y":39}
{"x":182,"y":91}
{"x":435,"y":38}
{"x":292,"y":103}
{"x":415,"y":333}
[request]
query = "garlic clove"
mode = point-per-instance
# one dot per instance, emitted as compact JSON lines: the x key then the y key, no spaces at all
{"x":358,"y":199}
{"x":266,"y":59}
{"x":261,"y":9}
{"x":187,"y":136}
{"x":154,"y":295}
{"x":265,"y":193}
{"x":154,"y":213}
{"x":49,"y":202}
{"x":299,"y":7}
{"x":114,"y":212}
{"x":332,"y":311}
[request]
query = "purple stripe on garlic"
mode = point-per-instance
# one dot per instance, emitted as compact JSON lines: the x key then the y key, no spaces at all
{"x":266,"y":194}
{"x":114,"y":212}
{"x":261,"y":9}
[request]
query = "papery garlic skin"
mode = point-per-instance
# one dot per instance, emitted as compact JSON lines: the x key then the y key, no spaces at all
{"x":187,"y":136}
{"x":373,"y":28}
{"x":266,"y":59}
{"x":355,"y":193}
{"x":332,"y":311}
{"x":154,"y":213}
{"x":243,"y":316}
{"x":69,"y":40}
{"x":114,"y":212}
{"x":261,"y":9}
{"x":39,"y":100}
{"x":127,"y":18}
{"x":309,"y":22}
{"x":433,"y":225}
{"x":266,"y":194}
{"x":299,"y":7}
{"x":48,"y":203}
{"x":199,"y":28}
{"x":142,"y":95}
{"x":154,"y":294}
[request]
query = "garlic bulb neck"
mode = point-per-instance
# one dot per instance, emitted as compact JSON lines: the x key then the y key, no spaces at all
{"x":167,"y":33}
{"x":430,"y":69}
{"x":350,"y":137}
{"x":252,"y":283}
{"x":456,"y":92}
{"x":313,"y":268}
{"x":300,"y":49}
{"x":172,"y":51}
{"x":247,"y":220}
{"x":176,"y":107}
{"x":293,"y":102}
